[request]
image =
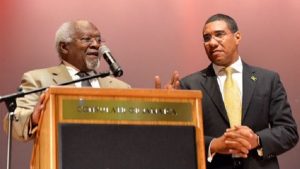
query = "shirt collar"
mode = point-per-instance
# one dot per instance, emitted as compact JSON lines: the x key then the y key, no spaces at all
{"x":73,"y":70}
{"x":237,"y":67}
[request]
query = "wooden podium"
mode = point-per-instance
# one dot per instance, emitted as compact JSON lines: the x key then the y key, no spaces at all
{"x":91,"y":128}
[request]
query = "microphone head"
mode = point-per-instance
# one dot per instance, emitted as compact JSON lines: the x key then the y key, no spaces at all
{"x":104,"y":49}
{"x":114,"y":67}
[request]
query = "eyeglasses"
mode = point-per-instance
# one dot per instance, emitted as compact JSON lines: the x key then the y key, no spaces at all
{"x":89,"y":40}
{"x":218,"y":36}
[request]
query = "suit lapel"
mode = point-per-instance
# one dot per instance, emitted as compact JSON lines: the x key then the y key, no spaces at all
{"x":60,"y":74}
{"x":103,"y":83}
{"x":213,"y":91}
{"x":249,"y":82}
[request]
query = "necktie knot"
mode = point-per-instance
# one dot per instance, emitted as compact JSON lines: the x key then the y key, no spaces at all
{"x":228,"y":71}
{"x":85,"y":83}
{"x":82,"y":74}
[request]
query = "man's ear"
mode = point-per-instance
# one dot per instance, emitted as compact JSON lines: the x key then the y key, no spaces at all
{"x":238,"y":36}
{"x":64,"y":47}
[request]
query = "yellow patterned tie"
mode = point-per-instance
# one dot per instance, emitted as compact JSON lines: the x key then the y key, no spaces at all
{"x":232,"y":99}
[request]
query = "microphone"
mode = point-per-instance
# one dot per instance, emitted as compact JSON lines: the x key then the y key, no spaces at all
{"x":113,"y":65}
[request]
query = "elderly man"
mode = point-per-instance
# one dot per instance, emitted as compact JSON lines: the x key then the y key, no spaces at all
{"x":77,"y":44}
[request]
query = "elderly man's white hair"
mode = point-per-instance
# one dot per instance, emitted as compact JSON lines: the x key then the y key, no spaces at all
{"x":64,"y":34}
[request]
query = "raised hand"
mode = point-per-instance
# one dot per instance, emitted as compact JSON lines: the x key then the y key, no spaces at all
{"x":173,"y":84}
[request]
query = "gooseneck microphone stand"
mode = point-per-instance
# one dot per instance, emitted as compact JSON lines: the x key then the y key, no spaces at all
{"x":10,"y":102}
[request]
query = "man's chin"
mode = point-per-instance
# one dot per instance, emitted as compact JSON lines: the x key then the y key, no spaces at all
{"x":216,"y":58}
{"x":92,"y":65}
{"x":219,"y":61}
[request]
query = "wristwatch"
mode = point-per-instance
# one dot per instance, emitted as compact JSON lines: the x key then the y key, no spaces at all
{"x":259,"y":148}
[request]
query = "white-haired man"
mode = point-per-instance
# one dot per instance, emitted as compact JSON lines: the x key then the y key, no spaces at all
{"x":77,"y":43}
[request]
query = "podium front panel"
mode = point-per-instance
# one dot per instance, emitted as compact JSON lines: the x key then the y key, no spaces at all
{"x":103,"y":146}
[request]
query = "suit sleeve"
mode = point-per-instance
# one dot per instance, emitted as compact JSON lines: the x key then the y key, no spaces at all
{"x":281,"y":135}
{"x":22,"y":126}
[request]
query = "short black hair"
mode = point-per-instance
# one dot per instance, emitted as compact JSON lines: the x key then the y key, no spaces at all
{"x":232,"y":25}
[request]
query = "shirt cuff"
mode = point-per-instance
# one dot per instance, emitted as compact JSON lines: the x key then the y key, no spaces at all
{"x":259,"y":149}
{"x":209,"y":155}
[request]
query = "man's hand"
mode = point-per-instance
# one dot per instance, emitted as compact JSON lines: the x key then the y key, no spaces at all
{"x":39,"y":107}
{"x":227,"y":145}
{"x":243,"y":132}
{"x":173,"y":84}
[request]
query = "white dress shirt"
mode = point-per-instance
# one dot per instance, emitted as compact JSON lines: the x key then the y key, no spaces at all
{"x":73,"y":73}
{"x":237,"y":75}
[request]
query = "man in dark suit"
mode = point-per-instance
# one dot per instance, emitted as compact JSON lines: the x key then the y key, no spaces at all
{"x":77,"y":44}
{"x":265,"y":126}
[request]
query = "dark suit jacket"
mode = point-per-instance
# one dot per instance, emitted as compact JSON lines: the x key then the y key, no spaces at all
{"x":265,"y":109}
{"x":35,"y":79}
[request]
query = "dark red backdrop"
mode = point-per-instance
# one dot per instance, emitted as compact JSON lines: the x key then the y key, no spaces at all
{"x":148,"y":38}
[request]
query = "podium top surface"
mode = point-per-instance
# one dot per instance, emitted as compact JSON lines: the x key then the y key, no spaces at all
{"x":138,"y":92}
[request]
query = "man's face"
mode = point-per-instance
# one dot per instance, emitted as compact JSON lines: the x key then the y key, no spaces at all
{"x":221,"y":45}
{"x":83,"y":50}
